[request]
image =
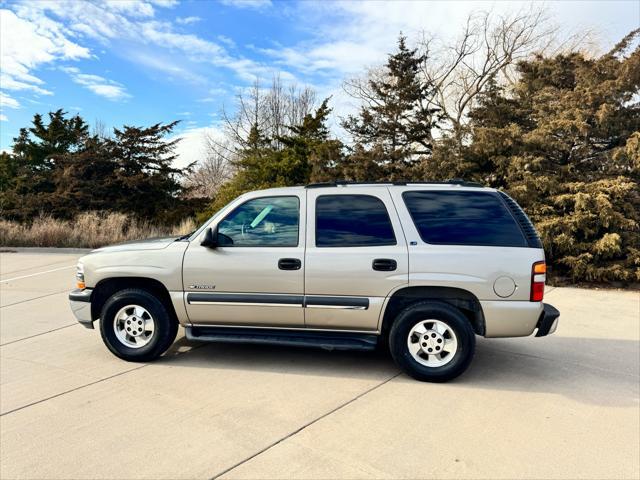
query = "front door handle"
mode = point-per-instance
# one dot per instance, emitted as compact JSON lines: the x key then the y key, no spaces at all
{"x":289,"y":264}
{"x":384,"y":264}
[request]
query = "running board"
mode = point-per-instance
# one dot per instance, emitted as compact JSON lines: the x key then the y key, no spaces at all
{"x":297,"y":338}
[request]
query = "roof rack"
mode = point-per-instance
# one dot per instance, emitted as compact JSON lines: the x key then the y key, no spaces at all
{"x":340,"y":183}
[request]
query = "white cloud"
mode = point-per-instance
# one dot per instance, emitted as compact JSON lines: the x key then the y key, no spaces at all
{"x":26,"y":45}
{"x":191,"y":147}
{"x":247,"y":3}
{"x":227,"y":41}
{"x":3,"y":118}
{"x":134,"y":8}
{"x":187,"y":20}
{"x":7,"y":101}
{"x":168,"y":65}
{"x":57,"y":29}
{"x":165,"y":3}
{"x":101,"y":86}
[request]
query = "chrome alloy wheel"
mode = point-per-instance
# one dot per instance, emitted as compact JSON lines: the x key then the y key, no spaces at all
{"x":134,"y":326}
{"x":432,"y":343}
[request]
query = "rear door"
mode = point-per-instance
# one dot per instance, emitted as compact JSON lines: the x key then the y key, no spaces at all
{"x":356,"y":255}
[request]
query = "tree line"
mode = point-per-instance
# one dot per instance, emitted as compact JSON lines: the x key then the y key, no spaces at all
{"x":556,"y":127}
{"x":59,"y":168}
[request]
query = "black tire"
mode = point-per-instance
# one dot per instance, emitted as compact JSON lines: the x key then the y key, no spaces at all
{"x":447,"y":314}
{"x":166,"y":326}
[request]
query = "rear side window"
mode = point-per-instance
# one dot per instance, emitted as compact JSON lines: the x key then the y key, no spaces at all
{"x":463,"y":218}
{"x":352,"y":221}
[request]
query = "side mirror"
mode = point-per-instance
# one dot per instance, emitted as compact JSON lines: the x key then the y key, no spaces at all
{"x":210,"y":239}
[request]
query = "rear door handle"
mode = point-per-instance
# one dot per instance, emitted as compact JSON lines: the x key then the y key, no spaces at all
{"x":384,"y":264}
{"x":289,"y":264}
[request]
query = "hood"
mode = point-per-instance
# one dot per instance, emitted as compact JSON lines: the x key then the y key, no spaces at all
{"x":149,"y":244}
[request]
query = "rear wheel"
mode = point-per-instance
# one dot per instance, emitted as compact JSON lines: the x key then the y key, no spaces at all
{"x":136,"y":326}
{"x":432,"y":341}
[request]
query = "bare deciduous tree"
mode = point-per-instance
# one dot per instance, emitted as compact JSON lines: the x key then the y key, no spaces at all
{"x":489,"y":48}
{"x":270,"y":111}
{"x":214,"y":170}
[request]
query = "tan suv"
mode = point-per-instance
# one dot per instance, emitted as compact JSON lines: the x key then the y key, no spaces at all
{"x":420,"y":267}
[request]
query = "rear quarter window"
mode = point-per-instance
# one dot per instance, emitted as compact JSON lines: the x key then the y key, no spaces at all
{"x":463,"y":218}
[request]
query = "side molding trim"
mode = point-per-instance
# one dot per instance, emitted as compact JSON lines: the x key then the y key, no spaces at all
{"x":277,"y":300}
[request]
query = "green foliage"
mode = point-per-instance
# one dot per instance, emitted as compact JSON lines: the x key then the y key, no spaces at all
{"x":306,"y":153}
{"x":393,"y":127}
{"x":563,"y":139}
{"x":60,"y":169}
{"x":564,"y":142}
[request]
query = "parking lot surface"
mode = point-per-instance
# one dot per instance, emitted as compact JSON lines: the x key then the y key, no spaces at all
{"x":564,"y":406}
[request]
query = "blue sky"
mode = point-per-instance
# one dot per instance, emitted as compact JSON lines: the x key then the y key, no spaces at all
{"x":141,"y":62}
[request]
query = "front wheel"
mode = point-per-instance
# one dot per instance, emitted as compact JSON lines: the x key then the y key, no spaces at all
{"x":136,"y":326}
{"x":432,"y":341}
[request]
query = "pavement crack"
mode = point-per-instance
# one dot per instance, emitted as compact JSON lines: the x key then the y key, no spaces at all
{"x":36,"y":298}
{"x":34,"y":268}
{"x":38,"y":334}
{"x":9,"y":280}
{"x":17,"y":409}
{"x":306,"y":425}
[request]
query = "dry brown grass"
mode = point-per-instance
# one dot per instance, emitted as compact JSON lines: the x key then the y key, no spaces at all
{"x":88,"y":230}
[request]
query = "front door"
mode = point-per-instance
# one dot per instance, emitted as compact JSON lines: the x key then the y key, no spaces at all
{"x":255,"y":276}
{"x":356,"y":256}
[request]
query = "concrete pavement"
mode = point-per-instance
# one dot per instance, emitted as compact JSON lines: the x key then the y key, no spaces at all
{"x":565,"y":406}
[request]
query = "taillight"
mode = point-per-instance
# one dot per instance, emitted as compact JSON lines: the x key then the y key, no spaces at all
{"x":538,"y":276}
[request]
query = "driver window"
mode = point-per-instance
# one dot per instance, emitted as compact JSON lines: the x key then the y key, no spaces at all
{"x":262,"y":222}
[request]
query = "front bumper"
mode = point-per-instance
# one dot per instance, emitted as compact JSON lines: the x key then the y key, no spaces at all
{"x":80,"y":302}
{"x":548,"y":321}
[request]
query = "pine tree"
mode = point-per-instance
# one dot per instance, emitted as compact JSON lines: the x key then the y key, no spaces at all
{"x":59,"y":169}
{"x":150,"y":186}
{"x":394,"y":124}
{"x":27,"y":173}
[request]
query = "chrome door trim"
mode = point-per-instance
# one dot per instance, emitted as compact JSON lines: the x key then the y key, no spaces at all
{"x":259,"y":299}
{"x":328,"y":301}
{"x":336,"y":307}
{"x":277,"y":300}
{"x":246,"y":304}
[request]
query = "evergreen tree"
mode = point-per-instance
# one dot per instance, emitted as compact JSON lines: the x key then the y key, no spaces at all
{"x":150,"y":186}
{"x":59,"y":169}
{"x":395,"y":123}
{"x":27,"y":173}
{"x":565,"y":143}
{"x":306,"y":152}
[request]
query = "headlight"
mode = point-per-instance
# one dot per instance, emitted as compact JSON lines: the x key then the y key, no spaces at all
{"x":80,"y":276}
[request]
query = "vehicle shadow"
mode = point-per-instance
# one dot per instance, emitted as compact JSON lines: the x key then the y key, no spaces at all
{"x":588,"y":370}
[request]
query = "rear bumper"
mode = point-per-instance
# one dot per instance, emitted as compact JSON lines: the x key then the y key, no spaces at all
{"x":518,"y":318}
{"x":80,"y":302}
{"x":548,"y":321}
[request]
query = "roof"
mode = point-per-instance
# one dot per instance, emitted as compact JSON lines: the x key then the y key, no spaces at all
{"x":456,"y":183}
{"x":341,"y":183}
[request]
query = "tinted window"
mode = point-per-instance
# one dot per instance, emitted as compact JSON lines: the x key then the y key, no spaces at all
{"x":268,"y":222}
{"x":352,"y":221}
{"x":463,"y":218}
